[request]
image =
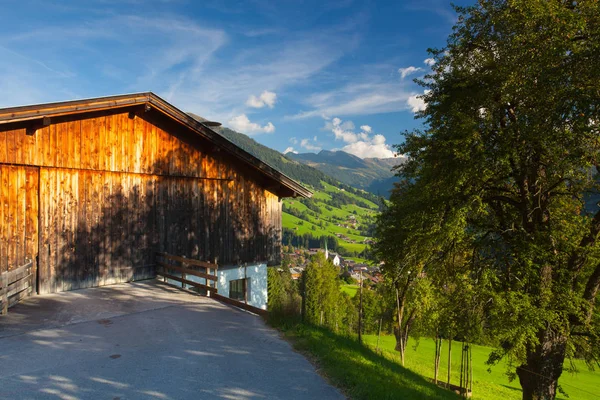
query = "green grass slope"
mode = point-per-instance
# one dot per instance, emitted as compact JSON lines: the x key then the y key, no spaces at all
{"x":357,"y":370}
{"x":332,"y":212}
{"x":486,"y":385}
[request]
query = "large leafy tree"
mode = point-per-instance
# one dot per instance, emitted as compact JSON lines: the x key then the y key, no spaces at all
{"x":504,"y":168}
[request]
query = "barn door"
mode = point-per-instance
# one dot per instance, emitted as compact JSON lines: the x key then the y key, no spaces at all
{"x":19,"y":219}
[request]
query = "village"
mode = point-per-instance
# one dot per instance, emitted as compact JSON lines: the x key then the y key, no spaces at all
{"x":350,"y":271}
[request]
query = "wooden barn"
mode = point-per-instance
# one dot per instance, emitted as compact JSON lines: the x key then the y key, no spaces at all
{"x":91,"y":190}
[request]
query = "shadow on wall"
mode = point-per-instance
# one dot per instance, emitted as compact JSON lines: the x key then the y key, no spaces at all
{"x":99,"y":228}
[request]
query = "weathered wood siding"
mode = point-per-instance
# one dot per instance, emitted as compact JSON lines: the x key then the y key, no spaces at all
{"x":114,"y":188}
{"x":18,"y":216}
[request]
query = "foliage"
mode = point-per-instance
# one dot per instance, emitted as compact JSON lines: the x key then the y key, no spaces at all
{"x":323,"y":300}
{"x":284,"y":300}
{"x":498,"y":179}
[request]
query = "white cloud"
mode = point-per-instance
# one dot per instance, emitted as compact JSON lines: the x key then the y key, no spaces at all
{"x":266,"y":98}
{"x":290,"y":150}
{"x":356,"y":99}
{"x":404,"y":72}
{"x":242,"y":124}
{"x":416,"y":103}
{"x":293,"y":140}
{"x":429,"y":61}
{"x":365,"y":149}
{"x":305,"y":143}
{"x":361,"y":144}
{"x":343,"y":134}
{"x":174,"y":56}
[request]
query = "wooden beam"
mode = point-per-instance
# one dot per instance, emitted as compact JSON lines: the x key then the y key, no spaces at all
{"x":240,"y":304}
{"x":191,"y":283}
{"x":187,"y":271}
{"x":190,"y":261}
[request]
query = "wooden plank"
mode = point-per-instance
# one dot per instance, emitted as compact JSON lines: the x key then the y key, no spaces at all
{"x":32,"y":217}
{"x":75,"y":138}
{"x":92,"y":143}
{"x":239,"y":304}
{"x":188,"y":271}
{"x":62,"y":266}
{"x":21,"y":210}
{"x":4,"y":134}
{"x":43,"y":229}
{"x":70,"y":230}
{"x":138,"y":138}
{"x":126,"y":207}
{"x":53,"y":207}
{"x":3,"y":223}
{"x":14,"y":299}
{"x":29,"y":144}
{"x":103,"y":232}
{"x":12,"y":148}
{"x":105,"y":269}
{"x":190,"y":261}
{"x":116,"y":229}
{"x":93,"y":212}
{"x":61,"y":148}
{"x":13,"y":187}
{"x":110,"y":143}
{"x":187,"y":282}
{"x":18,"y":286}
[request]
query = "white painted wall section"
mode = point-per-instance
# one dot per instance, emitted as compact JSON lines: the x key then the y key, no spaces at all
{"x":257,"y":273}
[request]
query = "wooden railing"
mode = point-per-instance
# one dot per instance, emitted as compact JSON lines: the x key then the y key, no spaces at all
{"x":179,"y":269}
{"x":15,"y":285}
{"x":241,"y":305}
{"x":184,"y":267}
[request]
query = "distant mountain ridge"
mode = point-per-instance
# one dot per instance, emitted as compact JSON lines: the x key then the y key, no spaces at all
{"x":294,"y":169}
{"x":371,"y":174}
{"x":374,"y":171}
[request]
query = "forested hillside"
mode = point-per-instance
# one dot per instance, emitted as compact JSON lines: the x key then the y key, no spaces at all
{"x":341,"y":214}
{"x":345,"y":218}
{"x":294,"y":169}
{"x":371,"y":174}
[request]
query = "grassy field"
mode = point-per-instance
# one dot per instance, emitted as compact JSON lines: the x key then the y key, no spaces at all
{"x":358,"y":370}
{"x":351,"y":290}
{"x":329,"y":217}
{"x":486,"y":385}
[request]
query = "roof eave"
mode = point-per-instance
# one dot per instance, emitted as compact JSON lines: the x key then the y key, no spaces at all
{"x":48,"y":110}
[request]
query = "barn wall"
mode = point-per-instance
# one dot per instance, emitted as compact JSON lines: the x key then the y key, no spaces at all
{"x":116,"y":187}
{"x":18,"y":216}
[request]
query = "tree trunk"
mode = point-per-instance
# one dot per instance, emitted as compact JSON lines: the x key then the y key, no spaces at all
{"x":400,"y":344}
{"x":539,"y":376}
{"x":438,"y":353}
{"x":449,"y":360}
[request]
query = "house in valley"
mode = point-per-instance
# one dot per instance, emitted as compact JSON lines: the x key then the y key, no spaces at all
{"x":91,"y":190}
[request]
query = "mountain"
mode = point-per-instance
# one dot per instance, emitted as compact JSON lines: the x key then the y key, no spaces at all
{"x":372,"y":174}
{"x":292,"y":168}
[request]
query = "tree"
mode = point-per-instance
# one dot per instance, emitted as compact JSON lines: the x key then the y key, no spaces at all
{"x":321,"y":293}
{"x":505,"y":163}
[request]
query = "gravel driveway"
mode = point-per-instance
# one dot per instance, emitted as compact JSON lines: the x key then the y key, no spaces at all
{"x":146,"y":340}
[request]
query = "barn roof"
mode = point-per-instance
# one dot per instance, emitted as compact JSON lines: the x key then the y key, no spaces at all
{"x":149,"y":99}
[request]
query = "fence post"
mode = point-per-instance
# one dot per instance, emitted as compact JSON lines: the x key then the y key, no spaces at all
{"x":4,"y":288}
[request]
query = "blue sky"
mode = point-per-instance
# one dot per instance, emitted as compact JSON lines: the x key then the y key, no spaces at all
{"x":301,"y":75}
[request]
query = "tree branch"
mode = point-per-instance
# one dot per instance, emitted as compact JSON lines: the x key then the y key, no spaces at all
{"x":577,"y":259}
